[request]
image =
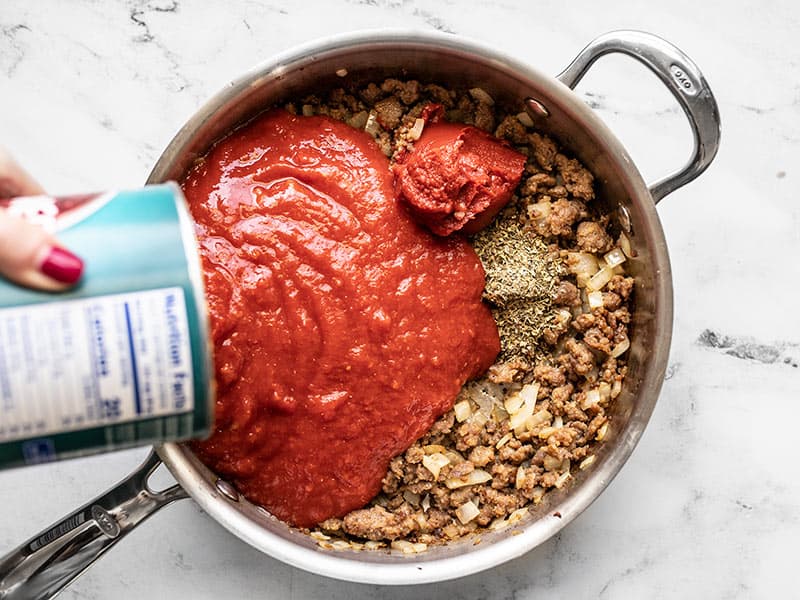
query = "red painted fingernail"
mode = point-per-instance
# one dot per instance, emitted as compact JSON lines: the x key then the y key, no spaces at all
{"x":62,"y":265}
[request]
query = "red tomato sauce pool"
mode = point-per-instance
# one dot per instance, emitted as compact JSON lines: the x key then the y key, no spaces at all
{"x":341,"y":328}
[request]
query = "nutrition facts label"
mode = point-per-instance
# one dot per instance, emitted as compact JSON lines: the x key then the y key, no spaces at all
{"x":84,"y":363}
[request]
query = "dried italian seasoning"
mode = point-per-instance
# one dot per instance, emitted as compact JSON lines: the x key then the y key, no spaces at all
{"x":521,"y":276}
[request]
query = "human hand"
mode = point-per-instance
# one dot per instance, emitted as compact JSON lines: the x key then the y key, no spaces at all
{"x":29,"y":255}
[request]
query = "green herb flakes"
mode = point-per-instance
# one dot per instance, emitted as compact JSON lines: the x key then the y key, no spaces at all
{"x":521,"y":275}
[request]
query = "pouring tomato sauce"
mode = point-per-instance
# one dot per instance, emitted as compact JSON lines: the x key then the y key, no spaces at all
{"x":342,"y":329}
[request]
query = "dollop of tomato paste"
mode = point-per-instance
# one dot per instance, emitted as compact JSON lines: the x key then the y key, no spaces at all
{"x":341,"y":328}
{"x":457,"y":177}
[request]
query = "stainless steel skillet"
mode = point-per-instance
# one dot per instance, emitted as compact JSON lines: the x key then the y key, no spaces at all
{"x":47,"y":562}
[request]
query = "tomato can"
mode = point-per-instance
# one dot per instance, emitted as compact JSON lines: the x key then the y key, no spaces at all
{"x":122,"y":359}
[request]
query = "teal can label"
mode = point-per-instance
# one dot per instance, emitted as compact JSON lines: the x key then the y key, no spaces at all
{"x":121,"y":360}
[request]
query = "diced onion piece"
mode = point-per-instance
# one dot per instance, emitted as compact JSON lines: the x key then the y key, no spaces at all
{"x":525,"y":119}
{"x":614,"y":258}
{"x":517,"y":515}
{"x":404,"y":546}
{"x":538,"y":418}
{"x":479,"y":418}
{"x":434,"y":463}
{"x":546,"y":432}
{"x":513,"y":403}
{"x":498,"y":524}
{"x":621,"y":348}
{"x":467,"y":511}
{"x":308,"y":110}
{"x":563,"y":316}
{"x":604,"y":389}
{"x":551,"y":463}
{"x":625,"y":245}
{"x":520,"y":478}
{"x":504,"y":440}
{"x":454,"y":457}
{"x":416,"y":130}
{"x":587,"y":462}
{"x":341,"y":72}
{"x":485,"y":398}
{"x":358,"y":120}
{"x":434,"y":448}
{"x":341,"y":545}
{"x":518,"y":420}
{"x":472,"y":478}
{"x":373,"y":545}
{"x":463,"y":410}
{"x":319,"y":536}
{"x":558,"y":422}
{"x":581,"y":263}
{"x":602,"y":432}
{"x":592,"y":398}
{"x":407,"y":547}
{"x":450,"y":531}
{"x":595,"y":299}
{"x":324,"y":545}
{"x":540,"y":211}
{"x":537,"y":494}
{"x":616,"y":388}
{"x":481,"y":96}
{"x":411,"y":497}
{"x":561,"y":479}
{"x":372,"y":126}
{"x":426,"y":503}
{"x":528,"y":394}
{"x":485,"y":395}
{"x":599,"y":280}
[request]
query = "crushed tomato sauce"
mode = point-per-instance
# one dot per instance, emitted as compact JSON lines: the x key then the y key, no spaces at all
{"x":342,"y":329}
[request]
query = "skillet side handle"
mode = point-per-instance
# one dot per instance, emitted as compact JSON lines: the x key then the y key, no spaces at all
{"x":681,"y":76}
{"x":41,"y":567}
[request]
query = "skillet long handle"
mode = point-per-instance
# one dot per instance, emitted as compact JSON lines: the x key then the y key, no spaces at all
{"x":683,"y":79}
{"x":41,"y":567}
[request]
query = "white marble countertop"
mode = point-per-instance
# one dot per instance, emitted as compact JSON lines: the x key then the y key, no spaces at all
{"x":709,"y":504}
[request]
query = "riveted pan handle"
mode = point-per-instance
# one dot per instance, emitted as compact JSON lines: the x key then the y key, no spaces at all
{"x":681,"y":76}
{"x":46,"y":563}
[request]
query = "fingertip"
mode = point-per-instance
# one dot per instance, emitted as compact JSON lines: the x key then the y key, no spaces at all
{"x":50,"y":269}
{"x":61,"y":265}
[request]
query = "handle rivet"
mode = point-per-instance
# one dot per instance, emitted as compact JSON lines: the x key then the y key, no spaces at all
{"x":227,"y":490}
{"x":536,"y":108}
{"x":107,"y":524}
